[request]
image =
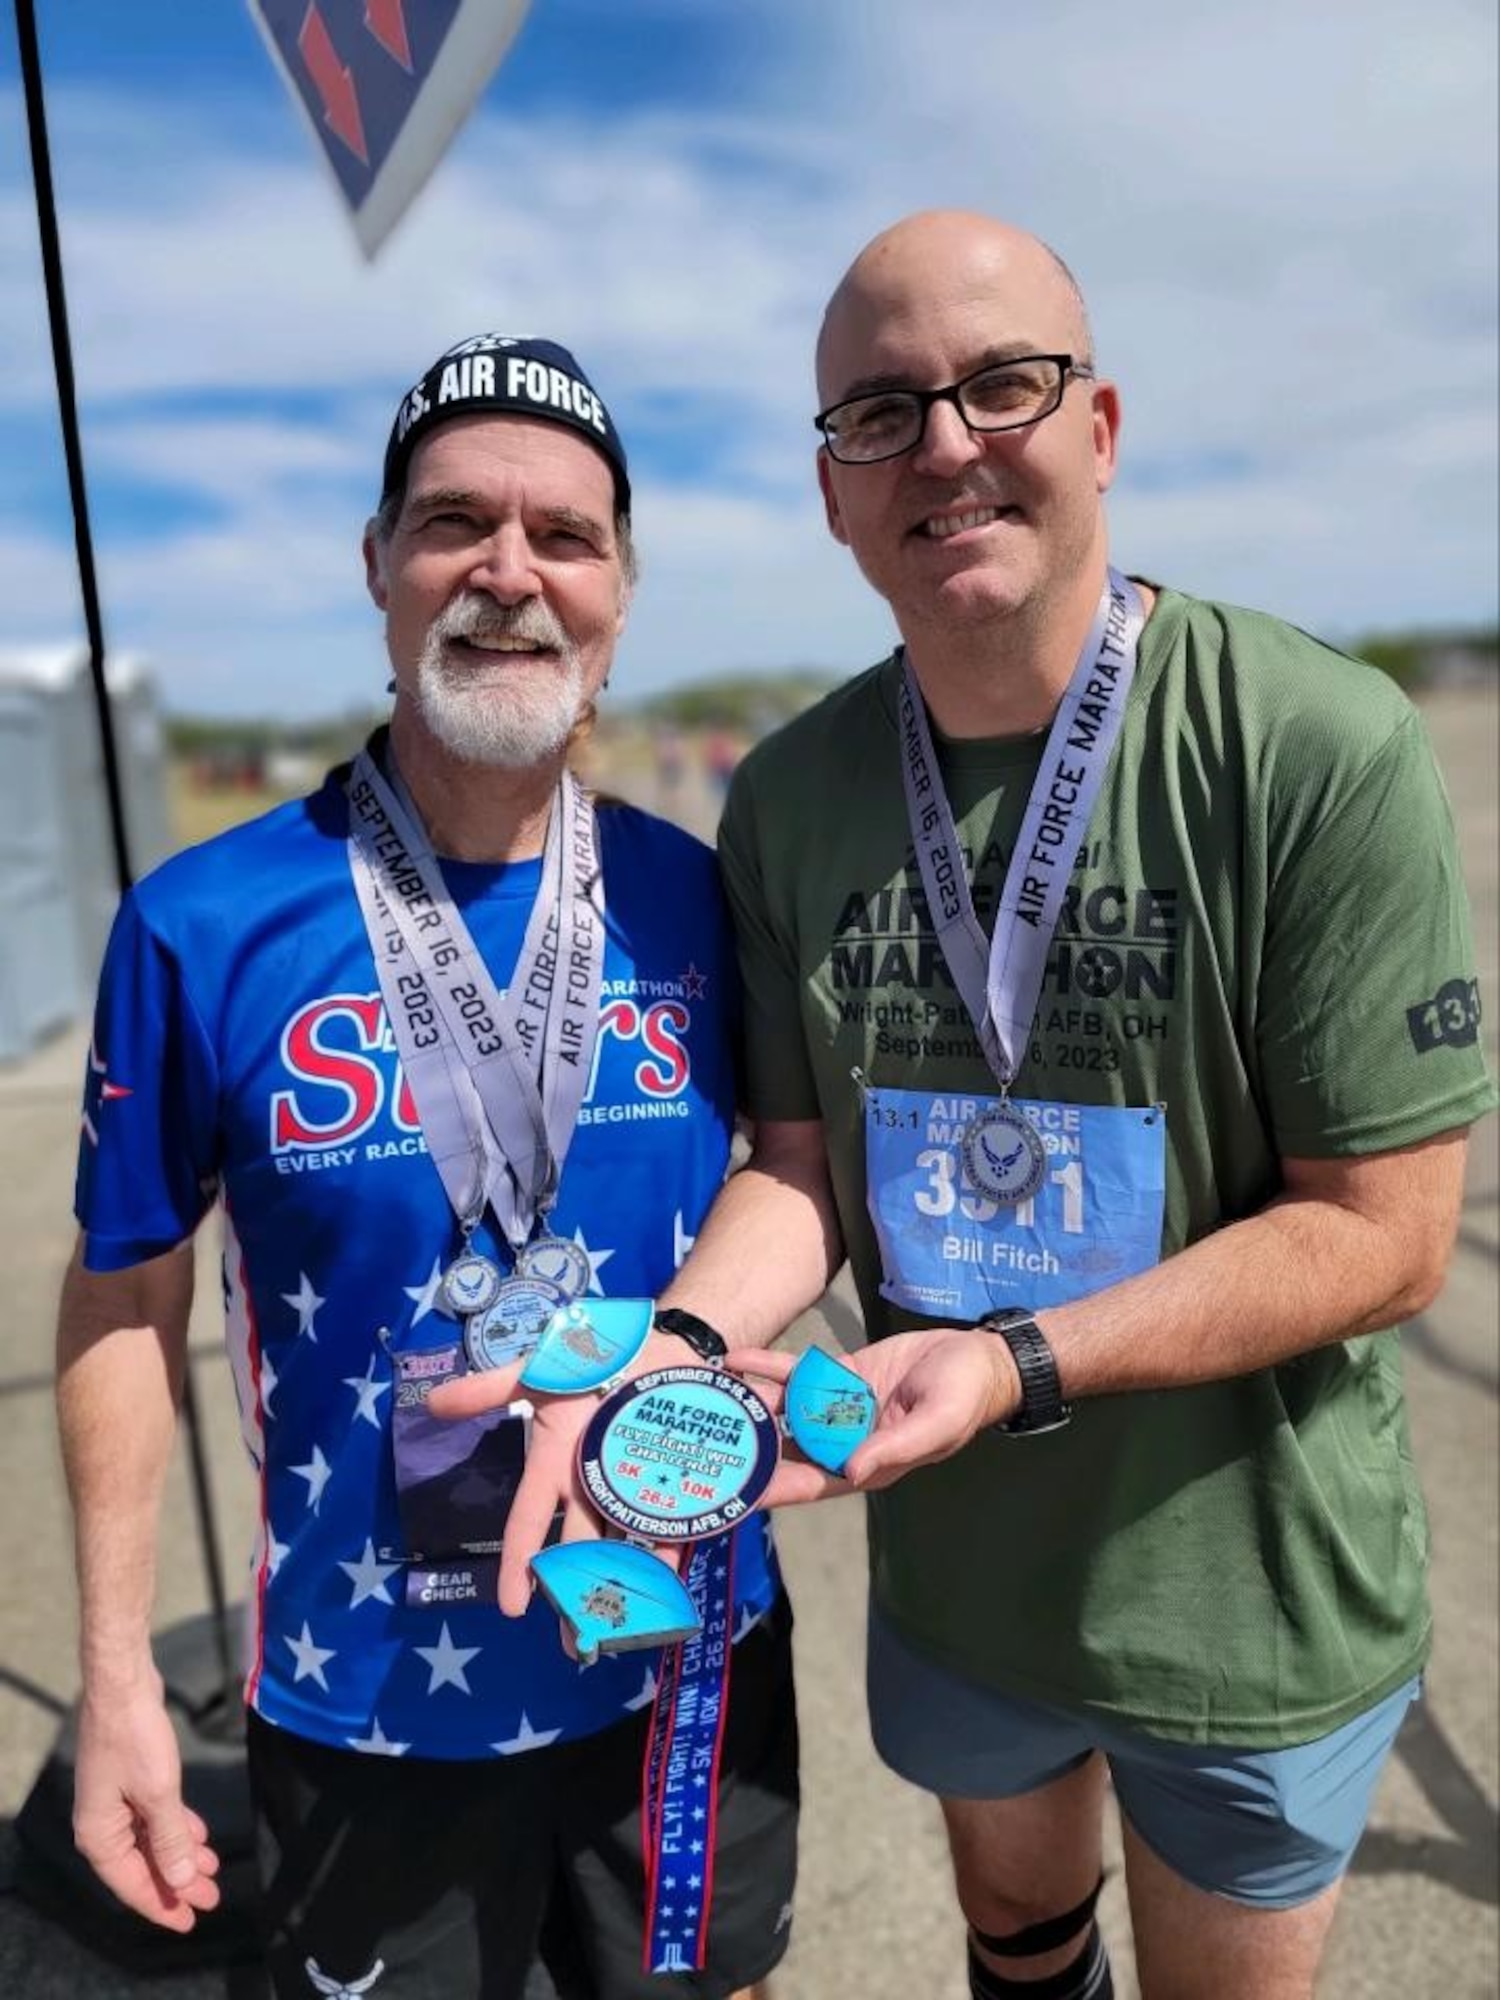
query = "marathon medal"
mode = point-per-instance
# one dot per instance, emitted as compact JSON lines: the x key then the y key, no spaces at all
{"x":557,"y":1260}
{"x":587,"y":1344}
{"x":614,"y":1596}
{"x":512,"y":1323}
{"x":829,"y":1410}
{"x":470,"y":1284}
{"x":1003,"y":1154}
{"x":678,"y":1453}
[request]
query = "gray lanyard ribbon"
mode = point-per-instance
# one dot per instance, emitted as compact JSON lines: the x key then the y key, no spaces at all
{"x":497,"y":1082}
{"x":1000,"y":979}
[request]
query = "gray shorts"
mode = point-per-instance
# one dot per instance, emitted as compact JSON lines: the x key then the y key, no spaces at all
{"x":1271,"y":1828}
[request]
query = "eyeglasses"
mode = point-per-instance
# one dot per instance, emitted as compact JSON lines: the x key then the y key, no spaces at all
{"x":1005,"y":396}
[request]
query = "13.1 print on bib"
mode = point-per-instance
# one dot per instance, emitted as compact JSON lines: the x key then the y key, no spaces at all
{"x":949,"y":1250}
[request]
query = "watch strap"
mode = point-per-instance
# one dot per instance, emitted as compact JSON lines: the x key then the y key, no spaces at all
{"x":706,"y":1341}
{"x":1042,"y":1407}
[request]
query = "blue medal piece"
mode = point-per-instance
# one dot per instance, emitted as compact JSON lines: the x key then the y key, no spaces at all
{"x":557,"y":1260}
{"x":1003,"y":1154}
{"x":614,"y":1596}
{"x":679,"y":1453}
{"x":512,"y":1324}
{"x":586,"y":1344}
{"x":829,"y":1410}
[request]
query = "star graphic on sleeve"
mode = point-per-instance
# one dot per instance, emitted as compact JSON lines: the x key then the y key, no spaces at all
{"x":694,"y":982}
{"x":368,"y":1576}
{"x":276,"y":1553}
{"x":447,"y":1662}
{"x":309,"y":1657}
{"x":377,"y":1743}
{"x":526,"y":1738}
{"x":597,"y":1261}
{"x":425,"y":1296}
{"x":748,"y":1621}
{"x":647,"y":1692}
{"x":317,"y":1473}
{"x":304,"y":1302}
{"x":97,"y":1092}
{"x":268,"y":1380}
{"x":368,"y":1391}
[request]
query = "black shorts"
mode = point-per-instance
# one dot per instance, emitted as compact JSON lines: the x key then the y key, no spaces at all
{"x":520,"y":1878}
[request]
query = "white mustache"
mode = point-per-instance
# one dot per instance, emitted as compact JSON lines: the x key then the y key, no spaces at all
{"x":474,"y":616}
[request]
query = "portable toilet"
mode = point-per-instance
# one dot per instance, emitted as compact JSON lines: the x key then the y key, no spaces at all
{"x":58,"y":879}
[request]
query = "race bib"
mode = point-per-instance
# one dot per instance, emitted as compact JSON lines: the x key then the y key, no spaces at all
{"x":949,"y":1251}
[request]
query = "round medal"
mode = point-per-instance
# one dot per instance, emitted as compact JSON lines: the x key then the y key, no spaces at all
{"x":470,"y":1284}
{"x":678,"y":1453}
{"x":512,"y":1323}
{"x":1003,"y":1154}
{"x":556,"y":1260}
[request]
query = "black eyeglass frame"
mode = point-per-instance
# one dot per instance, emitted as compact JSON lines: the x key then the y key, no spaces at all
{"x":952,"y":392}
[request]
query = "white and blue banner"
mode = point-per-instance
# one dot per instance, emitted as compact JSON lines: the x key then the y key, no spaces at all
{"x":385,"y":84}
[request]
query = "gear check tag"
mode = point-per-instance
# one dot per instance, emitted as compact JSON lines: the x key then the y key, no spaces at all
{"x":950,"y":1251}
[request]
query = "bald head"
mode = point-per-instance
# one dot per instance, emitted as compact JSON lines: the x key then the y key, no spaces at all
{"x":920,"y":270}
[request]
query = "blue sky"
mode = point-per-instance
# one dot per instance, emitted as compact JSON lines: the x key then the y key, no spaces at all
{"x":1284,"y":218}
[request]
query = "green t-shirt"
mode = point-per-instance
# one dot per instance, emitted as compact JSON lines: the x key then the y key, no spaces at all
{"x":1266,"y":931}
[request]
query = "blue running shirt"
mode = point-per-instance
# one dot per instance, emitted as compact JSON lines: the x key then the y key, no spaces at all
{"x":241,"y":1052}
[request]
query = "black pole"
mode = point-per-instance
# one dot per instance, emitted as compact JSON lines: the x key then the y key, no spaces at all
{"x":62,"y":361}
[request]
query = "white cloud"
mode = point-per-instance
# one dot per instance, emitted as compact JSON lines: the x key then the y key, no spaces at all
{"x":1286,"y":223}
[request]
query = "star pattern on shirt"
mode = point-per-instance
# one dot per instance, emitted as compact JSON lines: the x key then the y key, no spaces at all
{"x":368,"y":1576}
{"x":310,"y":1657}
{"x":425,"y":1296}
{"x":526,"y":1738}
{"x":446,"y":1662}
{"x":276,"y":1553}
{"x":646,"y":1695}
{"x":98,"y":1091}
{"x":317,"y":1472}
{"x":368,"y":1393}
{"x":597,"y":1261}
{"x":377,"y":1743}
{"x":304,"y":1302}
{"x":694,"y":982}
{"x":268,"y":1380}
{"x":748,"y":1621}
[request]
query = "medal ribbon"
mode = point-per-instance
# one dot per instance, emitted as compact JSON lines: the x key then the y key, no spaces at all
{"x":680,"y":1785}
{"x":1000,"y":980}
{"x":497,"y":1082}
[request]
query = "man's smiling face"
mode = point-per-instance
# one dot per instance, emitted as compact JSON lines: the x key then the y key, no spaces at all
{"x":967,"y":526}
{"x":502,"y":585}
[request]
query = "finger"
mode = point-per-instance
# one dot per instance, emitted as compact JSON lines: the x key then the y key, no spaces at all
{"x":903,"y":1440}
{"x":579,"y":1522}
{"x":796,"y":1481}
{"x":474,"y":1394}
{"x":140,"y":1887}
{"x":767,"y":1364}
{"x":526,"y":1529}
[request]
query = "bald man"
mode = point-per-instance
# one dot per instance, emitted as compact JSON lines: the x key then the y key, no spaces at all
{"x":1110,"y":1002}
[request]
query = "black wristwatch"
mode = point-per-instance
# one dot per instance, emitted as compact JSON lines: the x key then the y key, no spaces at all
{"x":1042,"y":1406}
{"x":706,"y":1341}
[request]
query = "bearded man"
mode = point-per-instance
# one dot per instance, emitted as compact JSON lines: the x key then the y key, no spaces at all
{"x":443,"y":1050}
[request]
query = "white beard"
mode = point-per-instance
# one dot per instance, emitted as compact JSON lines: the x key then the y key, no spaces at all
{"x":523,"y":711}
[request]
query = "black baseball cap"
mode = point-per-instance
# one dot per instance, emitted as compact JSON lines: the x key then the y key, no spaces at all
{"x":497,"y":374}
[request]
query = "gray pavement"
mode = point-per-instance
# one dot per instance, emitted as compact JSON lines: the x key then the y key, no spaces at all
{"x":875,"y":1913}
